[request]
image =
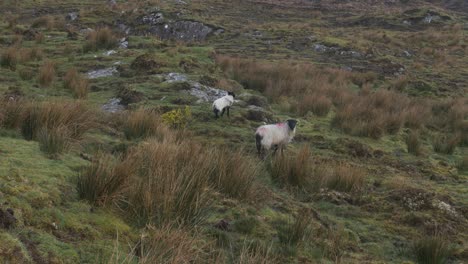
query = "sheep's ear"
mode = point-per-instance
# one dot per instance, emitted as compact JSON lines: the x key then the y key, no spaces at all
{"x":292,"y":123}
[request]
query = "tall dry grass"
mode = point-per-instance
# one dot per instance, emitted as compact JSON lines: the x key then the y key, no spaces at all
{"x":143,"y":123}
{"x":372,"y":115}
{"x":309,"y":174}
{"x":76,"y":83}
{"x":9,"y":58}
{"x":295,"y":232}
{"x":75,"y":117}
{"x":46,"y":74}
{"x":432,"y":249}
{"x":102,"y":38}
{"x":233,"y":173}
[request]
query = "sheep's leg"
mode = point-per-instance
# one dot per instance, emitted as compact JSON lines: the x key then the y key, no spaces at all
{"x":216,"y":111}
{"x":275,"y":148}
{"x":228,"y":111}
{"x":222,"y":112}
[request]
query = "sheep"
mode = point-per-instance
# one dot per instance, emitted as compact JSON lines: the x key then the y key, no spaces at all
{"x":275,"y":135}
{"x":223,"y":103}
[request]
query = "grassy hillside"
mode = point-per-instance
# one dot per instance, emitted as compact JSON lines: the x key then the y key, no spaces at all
{"x":110,"y":152}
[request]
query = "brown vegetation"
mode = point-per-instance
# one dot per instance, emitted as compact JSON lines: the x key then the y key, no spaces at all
{"x":78,"y":85}
{"x":311,"y":175}
{"x":9,"y":58}
{"x":46,"y":74}
{"x":144,"y":123}
{"x":102,"y":38}
{"x":413,"y":143}
{"x":372,"y":115}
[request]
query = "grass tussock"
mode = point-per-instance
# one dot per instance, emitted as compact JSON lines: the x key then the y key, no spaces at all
{"x":157,"y":182}
{"x":446,"y":143}
{"x":291,"y":170}
{"x":11,"y":113}
{"x":9,"y":58}
{"x":318,"y":104}
{"x":46,"y":74}
{"x":284,"y":78}
{"x":413,"y":143}
{"x":253,"y":253}
{"x":302,"y":171}
{"x":373,"y":115}
{"x":102,"y":38}
{"x":54,"y":141}
{"x":44,"y":22}
{"x":169,"y":244}
{"x":75,"y":117}
{"x":432,"y":250}
{"x":143,"y":123}
{"x":76,"y":83}
{"x":233,"y":174}
{"x":169,"y":184}
{"x":295,"y":232}
{"x":103,"y":181}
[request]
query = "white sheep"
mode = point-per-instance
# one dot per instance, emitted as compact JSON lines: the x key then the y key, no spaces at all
{"x":276,"y":135}
{"x":223,"y":103}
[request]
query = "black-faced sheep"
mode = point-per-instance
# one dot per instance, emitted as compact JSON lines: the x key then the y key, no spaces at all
{"x":275,"y":135}
{"x":224,"y":103}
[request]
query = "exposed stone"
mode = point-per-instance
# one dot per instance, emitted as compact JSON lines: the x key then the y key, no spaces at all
{"x":152,"y":19}
{"x":72,"y":16}
{"x":205,"y":93}
{"x":109,"y":52}
{"x":175,"y":77}
{"x":182,"y":30}
{"x":123,"y":43}
{"x":102,"y":73}
{"x":113,"y":106}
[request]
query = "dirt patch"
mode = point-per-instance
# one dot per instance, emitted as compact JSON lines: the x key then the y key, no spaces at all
{"x":33,"y":251}
{"x":7,"y":218}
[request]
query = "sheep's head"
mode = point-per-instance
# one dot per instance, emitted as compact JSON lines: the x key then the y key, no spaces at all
{"x":292,"y":124}
{"x":232,"y":94}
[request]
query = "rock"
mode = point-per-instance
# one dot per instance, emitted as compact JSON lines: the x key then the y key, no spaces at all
{"x":406,"y":22}
{"x":72,"y":16}
{"x":109,"y":52}
{"x":112,"y":3}
{"x":175,"y":77}
{"x":123,"y":43}
{"x":413,"y":199}
{"x":206,"y":93}
{"x":219,"y":31}
{"x":445,"y":207}
{"x":255,"y":114}
{"x":183,"y":30}
{"x":7,"y":218}
{"x":429,"y":18}
{"x":124,"y":28}
{"x":180,"y":2}
{"x":407,"y":54}
{"x":320,"y":48}
{"x":152,"y":19}
{"x":113,"y":106}
{"x":102,"y":73}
